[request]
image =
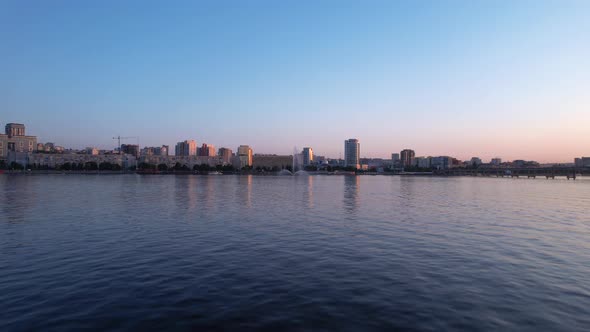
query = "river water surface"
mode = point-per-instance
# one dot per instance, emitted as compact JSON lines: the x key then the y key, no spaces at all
{"x":322,"y":253}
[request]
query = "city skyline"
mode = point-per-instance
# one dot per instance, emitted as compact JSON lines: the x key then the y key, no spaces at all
{"x":500,"y":79}
{"x":189,"y":147}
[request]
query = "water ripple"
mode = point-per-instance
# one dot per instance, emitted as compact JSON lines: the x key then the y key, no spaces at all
{"x":315,"y":253}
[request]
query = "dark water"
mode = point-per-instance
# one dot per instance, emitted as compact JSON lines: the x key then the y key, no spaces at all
{"x":127,"y":252}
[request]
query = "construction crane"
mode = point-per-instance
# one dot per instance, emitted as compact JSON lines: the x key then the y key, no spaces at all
{"x":119,"y":138}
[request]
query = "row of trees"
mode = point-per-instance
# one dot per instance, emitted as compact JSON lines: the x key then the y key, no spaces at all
{"x":13,"y":165}
{"x":89,"y":166}
{"x":203,"y":168}
{"x":107,"y":166}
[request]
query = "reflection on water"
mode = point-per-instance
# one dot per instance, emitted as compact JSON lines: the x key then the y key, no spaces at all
{"x":244,"y":190}
{"x":351,"y":192}
{"x":185,"y":193}
{"x":17,"y":197}
{"x":407,"y":197}
{"x":308,"y":191}
{"x":206,"y":190}
{"x":342,"y":253}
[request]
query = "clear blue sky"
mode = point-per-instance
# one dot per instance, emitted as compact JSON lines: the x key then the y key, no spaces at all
{"x":460,"y":78}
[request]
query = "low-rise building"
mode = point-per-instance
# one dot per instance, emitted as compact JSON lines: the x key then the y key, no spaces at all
{"x":496,"y":161}
{"x":154,"y":151}
{"x":395,"y":160}
{"x":423,"y":162}
{"x":582,"y":162}
{"x":92,"y":151}
{"x":374,"y":163}
{"x":336,"y":162}
{"x":272,"y":161}
{"x":48,"y":147}
{"x":475,"y":161}
{"x":441,"y":162}
{"x":524,"y":163}
{"x":320,"y":160}
{"x":189,"y":161}
{"x":14,"y":140}
{"x":132,"y":149}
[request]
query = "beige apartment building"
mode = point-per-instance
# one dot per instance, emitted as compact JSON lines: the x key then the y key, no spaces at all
{"x":15,"y":140}
{"x":271,"y":161}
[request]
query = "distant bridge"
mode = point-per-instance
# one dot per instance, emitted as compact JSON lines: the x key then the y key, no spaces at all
{"x":517,"y":172}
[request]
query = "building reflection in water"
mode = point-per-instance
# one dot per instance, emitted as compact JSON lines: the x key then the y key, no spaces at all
{"x":351,"y":192}
{"x":407,"y":208}
{"x":17,"y":196}
{"x":308,"y":193}
{"x":185,"y":193}
{"x":244,"y":190}
{"x":206,"y":192}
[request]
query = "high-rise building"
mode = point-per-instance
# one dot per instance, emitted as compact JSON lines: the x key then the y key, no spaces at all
{"x":407,"y":157}
{"x":441,"y":162}
{"x":132,"y":149}
{"x":206,"y":150}
{"x":352,"y":151}
{"x":225,"y":154}
{"x":147,"y":151}
{"x":155,"y":151}
{"x":307,"y":156}
{"x":582,"y":162}
{"x":161,"y":151}
{"x":395,"y":160}
{"x":496,"y":161}
{"x":16,"y":140}
{"x":320,"y":160}
{"x":186,"y":148}
{"x":244,"y":156}
{"x":422,"y":162}
{"x":92,"y":151}
{"x":49,"y":147}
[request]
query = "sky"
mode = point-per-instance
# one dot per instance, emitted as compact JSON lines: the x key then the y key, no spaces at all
{"x":490,"y":79}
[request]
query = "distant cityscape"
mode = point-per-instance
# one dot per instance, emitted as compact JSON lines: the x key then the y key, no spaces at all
{"x":21,"y":151}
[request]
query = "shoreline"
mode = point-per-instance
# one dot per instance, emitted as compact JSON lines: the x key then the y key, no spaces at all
{"x":187,"y":173}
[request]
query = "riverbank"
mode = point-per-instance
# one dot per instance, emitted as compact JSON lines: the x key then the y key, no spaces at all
{"x":317,"y":173}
